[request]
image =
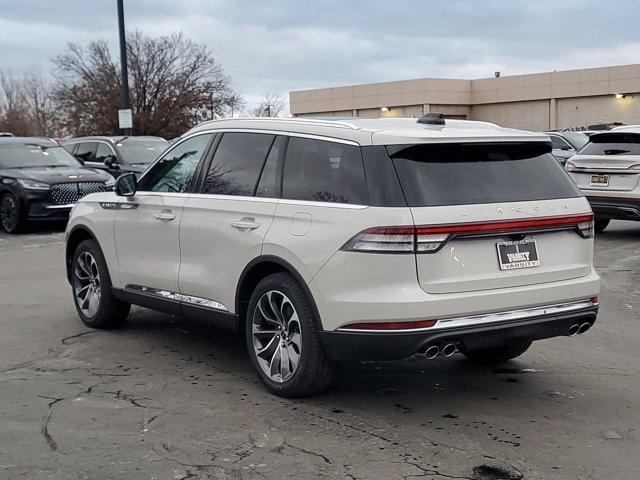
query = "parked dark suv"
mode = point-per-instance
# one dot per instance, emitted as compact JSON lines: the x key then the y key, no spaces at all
{"x":117,"y":155}
{"x":39,"y":180}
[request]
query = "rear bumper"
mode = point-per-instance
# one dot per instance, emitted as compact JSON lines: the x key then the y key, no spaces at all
{"x":615,"y":208}
{"x":350,"y":345}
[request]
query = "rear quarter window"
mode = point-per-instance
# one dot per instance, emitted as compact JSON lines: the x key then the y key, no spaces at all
{"x":324,"y":171}
{"x":463,"y":174}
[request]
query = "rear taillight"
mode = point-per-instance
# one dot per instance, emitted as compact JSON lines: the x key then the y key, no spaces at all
{"x":383,"y":240}
{"x":396,"y":240}
{"x":570,"y":167}
{"x":635,"y":167}
{"x":429,"y":239}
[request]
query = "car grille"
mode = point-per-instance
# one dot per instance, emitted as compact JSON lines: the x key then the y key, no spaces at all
{"x":68,"y":193}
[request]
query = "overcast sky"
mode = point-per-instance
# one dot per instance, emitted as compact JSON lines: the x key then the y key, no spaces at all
{"x":297,"y":44}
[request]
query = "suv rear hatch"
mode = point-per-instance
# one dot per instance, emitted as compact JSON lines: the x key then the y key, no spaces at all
{"x":609,"y":162}
{"x":493,"y":215}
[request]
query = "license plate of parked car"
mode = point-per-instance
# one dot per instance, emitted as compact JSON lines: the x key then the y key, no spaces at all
{"x":518,"y":254}
{"x":599,"y":180}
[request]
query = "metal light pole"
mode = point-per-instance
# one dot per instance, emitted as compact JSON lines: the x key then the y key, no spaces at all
{"x":126,"y":127}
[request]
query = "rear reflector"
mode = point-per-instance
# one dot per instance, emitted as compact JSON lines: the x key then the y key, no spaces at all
{"x":430,"y":238}
{"x":387,"y":326}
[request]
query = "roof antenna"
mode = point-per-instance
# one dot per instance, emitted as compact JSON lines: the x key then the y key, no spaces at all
{"x":432,"y":119}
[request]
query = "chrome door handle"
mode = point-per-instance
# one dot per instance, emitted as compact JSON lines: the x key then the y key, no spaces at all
{"x":246,"y":224}
{"x":165,"y":216}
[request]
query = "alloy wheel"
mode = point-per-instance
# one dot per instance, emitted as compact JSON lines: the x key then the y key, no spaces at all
{"x":276,"y":335}
{"x":8,"y":213}
{"x":87,"y":284}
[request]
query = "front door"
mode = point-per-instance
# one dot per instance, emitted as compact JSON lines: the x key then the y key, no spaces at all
{"x":147,"y":224}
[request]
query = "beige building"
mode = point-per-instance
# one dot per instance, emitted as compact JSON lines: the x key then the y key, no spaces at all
{"x":540,"y":101}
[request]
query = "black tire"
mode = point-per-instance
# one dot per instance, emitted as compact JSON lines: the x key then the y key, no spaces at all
{"x":11,"y":217}
{"x":497,"y":354}
{"x":314,"y":370}
{"x":601,"y":224}
{"x":110,"y":311}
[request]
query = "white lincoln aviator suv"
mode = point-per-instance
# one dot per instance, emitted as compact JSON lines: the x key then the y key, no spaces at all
{"x":347,"y":239}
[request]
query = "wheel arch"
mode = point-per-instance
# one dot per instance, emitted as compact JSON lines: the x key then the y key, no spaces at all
{"x":9,"y":188}
{"x":255,"y":271}
{"x":76,"y":236}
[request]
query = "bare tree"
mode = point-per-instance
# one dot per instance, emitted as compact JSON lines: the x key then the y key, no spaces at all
{"x":273,"y":104}
{"x":26,"y":106}
{"x":175,"y":83}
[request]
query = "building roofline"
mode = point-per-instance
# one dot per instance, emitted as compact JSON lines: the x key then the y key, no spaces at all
{"x":585,"y":82}
{"x":415,"y":79}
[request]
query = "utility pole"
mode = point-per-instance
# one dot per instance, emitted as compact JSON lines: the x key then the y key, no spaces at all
{"x":124,"y":116}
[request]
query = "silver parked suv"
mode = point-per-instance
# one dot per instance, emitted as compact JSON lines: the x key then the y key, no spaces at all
{"x":347,"y":239}
{"x":607,"y":170}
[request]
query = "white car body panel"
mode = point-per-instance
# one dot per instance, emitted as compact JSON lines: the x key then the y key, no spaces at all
{"x":471,"y":264}
{"x":214,"y":251}
{"x":148,"y":247}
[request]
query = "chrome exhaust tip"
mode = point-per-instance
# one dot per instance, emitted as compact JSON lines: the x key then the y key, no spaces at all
{"x":573,"y":329}
{"x":449,"y":349}
{"x":584,"y":327}
{"x":432,"y":352}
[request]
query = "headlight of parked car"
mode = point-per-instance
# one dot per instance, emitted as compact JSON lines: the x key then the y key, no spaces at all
{"x":33,"y":185}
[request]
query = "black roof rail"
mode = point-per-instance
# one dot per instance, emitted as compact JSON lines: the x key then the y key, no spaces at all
{"x":432,"y":119}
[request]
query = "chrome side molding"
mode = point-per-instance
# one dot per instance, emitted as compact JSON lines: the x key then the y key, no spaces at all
{"x":177,"y":297}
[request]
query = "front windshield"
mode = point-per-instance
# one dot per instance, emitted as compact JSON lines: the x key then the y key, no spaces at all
{"x":140,"y":152}
{"x":24,"y":155}
{"x":576,"y":139}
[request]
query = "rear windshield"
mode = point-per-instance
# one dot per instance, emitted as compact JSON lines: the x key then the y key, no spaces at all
{"x":618,"y":143}
{"x":461,"y":174}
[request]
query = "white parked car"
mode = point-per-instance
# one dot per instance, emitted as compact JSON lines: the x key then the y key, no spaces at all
{"x":607,"y":170}
{"x":327,"y":240}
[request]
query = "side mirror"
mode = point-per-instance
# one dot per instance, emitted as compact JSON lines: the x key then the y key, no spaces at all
{"x":126,"y":185}
{"x":80,"y":159}
{"x":111,"y":162}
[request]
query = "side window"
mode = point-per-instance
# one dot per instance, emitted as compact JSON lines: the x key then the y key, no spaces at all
{"x":102,"y":152}
{"x":70,"y":148}
{"x":237,"y":163}
{"x":559,"y":143}
{"x":324,"y":171}
{"x":85,"y":151}
{"x":267,"y":184}
{"x":174,"y":171}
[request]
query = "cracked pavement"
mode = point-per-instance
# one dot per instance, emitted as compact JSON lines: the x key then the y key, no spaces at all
{"x":163,"y":399}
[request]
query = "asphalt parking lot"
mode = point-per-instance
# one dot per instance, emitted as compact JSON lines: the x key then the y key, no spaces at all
{"x":160,"y":399}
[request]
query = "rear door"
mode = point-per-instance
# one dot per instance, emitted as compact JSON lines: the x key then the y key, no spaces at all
{"x":610,"y":162}
{"x":481,"y":212}
{"x":224,"y":223}
{"x":324,"y":201}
